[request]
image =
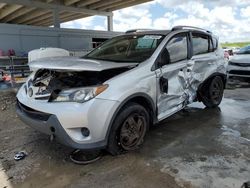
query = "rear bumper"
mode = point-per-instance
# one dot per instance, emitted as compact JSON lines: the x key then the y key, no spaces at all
{"x":49,"y":124}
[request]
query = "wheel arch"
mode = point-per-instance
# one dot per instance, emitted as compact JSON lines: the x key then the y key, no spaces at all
{"x":203,"y":84}
{"x":140,"y":98}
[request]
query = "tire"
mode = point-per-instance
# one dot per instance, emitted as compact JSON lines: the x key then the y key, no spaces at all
{"x":212,"y":92}
{"x":128,"y":129}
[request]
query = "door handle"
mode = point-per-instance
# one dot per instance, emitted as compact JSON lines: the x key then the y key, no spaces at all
{"x":211,"y":63}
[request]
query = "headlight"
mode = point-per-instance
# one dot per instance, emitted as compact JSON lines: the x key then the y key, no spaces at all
{"x":79,"y":95}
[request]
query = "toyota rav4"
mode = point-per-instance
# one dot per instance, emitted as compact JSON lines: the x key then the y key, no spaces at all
{"x":109,"y":98}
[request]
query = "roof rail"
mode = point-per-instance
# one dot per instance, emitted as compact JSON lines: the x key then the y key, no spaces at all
{"x":137,"y":30}
{"x":189,"y":27}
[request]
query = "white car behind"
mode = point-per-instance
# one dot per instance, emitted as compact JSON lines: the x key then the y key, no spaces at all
{"x":239,"y":65}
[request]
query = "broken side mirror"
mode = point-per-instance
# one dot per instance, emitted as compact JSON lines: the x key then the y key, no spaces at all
{"x":164,"y":58}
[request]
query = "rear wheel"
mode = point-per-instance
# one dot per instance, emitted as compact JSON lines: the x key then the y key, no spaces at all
{"x":212,"y":93}
{"x":128,"y":129}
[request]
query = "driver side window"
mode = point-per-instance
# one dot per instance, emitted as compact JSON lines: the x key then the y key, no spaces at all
{"x":178,"y":48}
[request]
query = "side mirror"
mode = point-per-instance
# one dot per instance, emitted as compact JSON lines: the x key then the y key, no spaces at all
{"x":164,"y":58}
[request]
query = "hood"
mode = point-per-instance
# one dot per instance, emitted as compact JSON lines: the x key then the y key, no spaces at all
{"x":241,"y":58}
{"x":76,"y":64}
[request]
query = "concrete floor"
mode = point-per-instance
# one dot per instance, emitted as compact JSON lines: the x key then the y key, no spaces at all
{"x":196,"y":147}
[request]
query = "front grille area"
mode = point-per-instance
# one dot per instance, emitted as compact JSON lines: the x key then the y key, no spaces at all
{"x":240,"y":72}
{"x":34,"y":114}
{"x":240,"y":64}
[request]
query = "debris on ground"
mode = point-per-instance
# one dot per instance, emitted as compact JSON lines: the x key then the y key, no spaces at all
{"x":20,"y":155}
{"x":6,"y":100}
{"x":85,"y":157}
{"x":3,"y":107}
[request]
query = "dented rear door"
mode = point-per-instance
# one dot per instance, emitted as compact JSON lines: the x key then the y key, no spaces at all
{"x":204,"y":62}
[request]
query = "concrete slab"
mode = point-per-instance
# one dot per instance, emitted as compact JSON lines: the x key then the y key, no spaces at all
{"x":196,"y":147}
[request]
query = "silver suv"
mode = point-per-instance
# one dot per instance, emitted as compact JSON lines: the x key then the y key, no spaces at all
{"x":109,"y":98}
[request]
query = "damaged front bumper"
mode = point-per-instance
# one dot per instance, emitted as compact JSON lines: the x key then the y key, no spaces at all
{"x":66,"y":120}
{"x":49,"y":124}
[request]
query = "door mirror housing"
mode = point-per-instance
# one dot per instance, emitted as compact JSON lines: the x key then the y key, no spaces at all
{"x":164,"y":58}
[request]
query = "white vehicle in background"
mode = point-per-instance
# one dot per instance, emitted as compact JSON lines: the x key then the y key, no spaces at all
{"x":239,"y":65}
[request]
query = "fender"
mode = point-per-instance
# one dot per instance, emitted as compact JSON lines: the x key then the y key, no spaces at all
{"x":224,"y":78}
{"x":131,"y":97}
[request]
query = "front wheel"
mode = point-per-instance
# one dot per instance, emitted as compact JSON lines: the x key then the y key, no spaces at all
{"x":129,"y":129}
{"x":212,"y":93}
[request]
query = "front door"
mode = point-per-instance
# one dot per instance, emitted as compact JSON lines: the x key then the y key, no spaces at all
{"x":170,"y":77}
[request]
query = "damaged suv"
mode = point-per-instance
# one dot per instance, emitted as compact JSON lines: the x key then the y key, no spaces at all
{"x":109,"y":98}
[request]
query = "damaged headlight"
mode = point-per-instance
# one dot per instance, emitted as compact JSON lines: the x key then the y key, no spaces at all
{"x":79,"y":95}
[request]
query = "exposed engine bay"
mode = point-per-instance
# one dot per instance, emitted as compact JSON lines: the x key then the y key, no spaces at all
{"x":47,"y":81}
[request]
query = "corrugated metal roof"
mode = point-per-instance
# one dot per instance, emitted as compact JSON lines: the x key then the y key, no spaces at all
{"x":40,"y":12}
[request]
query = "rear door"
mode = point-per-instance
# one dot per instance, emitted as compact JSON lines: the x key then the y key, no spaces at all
{"x":171,"y":95}
{"x":204,"y":58}
{"x":202,"y":64}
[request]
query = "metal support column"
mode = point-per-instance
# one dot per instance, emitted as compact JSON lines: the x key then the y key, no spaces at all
{"x":110,"y":23}
{"x":56,"y":19}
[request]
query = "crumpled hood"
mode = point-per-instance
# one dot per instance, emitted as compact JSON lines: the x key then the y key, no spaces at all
{"x":76,"y":64}
{"x":244,"y":58}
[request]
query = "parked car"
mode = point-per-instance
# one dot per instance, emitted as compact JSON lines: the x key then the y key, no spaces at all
{"x":239,"y":65}
{"x":110,"y":97}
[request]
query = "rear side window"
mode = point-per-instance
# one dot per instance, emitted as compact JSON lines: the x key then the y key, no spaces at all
{"x":177,"y":48}
{"x":200,"y":44}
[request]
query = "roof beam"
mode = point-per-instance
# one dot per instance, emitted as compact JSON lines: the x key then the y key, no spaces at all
{"x":59,"y":7}
{"x":31,"y":16}
{"x":73,"y":18}
{"x":103,"y":3}
{"x":66,"y":19}
{"x":40,"y":18}
{"x":70,"y":2}
{"x":87,"y":2}
{"x":47,"y":17}
{"x":126,"y":4}
{"x":18,"y":13}
{"x":8,"y":10}
{"x":117,"y":4}
{"x":2,"y":5}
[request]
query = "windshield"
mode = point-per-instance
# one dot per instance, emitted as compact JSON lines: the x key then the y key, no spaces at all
{"x":245,"y":50}
{"x":127,"y":48}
